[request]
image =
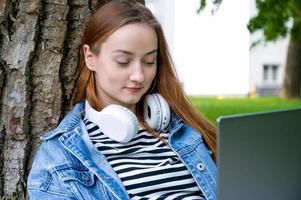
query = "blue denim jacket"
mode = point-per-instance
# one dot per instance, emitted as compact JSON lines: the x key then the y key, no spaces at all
{"x":65,"y":167}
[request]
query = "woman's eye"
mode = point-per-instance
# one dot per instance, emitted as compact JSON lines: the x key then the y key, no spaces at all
{"x":150,"y":63}
{"x":122,"y":62}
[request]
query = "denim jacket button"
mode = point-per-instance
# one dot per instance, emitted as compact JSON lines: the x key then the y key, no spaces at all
{"x":84,"y":177}
{"x":201,"y":166}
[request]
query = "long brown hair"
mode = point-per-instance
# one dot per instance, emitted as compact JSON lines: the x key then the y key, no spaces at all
{"x":103,"y":23}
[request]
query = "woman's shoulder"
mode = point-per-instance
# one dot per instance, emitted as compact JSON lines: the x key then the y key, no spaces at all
{"x":49,"y":155}
{"x":50,"y":158}
{"x":52,"y":150}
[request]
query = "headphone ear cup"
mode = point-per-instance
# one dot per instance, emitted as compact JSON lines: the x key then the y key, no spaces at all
{"x":156,"y":111}
{"x":115,"y":121}
{"x":152,"y":111}
{"x":118,"y":123}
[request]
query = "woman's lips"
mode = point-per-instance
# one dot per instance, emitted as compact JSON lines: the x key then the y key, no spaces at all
{"x":133,"y":89}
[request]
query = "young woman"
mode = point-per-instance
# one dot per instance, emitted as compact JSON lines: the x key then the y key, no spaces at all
{"x":132,"y":133}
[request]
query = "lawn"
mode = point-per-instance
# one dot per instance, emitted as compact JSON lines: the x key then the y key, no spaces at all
{"x":212,"y":108}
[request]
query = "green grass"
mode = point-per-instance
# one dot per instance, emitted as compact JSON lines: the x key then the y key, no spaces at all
{"x":212,"y":108}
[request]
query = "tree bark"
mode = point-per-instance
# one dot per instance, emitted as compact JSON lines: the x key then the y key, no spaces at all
{"x":291,"y":87}
{"x":34,"y":41}
{"x":39,"y":57}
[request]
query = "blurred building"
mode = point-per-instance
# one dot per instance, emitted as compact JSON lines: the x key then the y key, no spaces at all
{"x":267,"y":64}
{"x":212,"y":52}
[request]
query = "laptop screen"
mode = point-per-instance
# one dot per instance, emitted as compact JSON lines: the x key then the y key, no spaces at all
{"x":259,"y":156}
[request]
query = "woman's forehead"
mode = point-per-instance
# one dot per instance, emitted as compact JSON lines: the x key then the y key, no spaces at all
{"x":138,"y":37}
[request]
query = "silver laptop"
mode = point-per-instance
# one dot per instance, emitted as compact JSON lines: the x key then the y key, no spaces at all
{"x":259,"y":156}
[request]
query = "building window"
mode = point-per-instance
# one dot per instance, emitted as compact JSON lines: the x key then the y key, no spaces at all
{"x":270,"y":73}
{"x":274,"y":72}
{"x":265,"y":72}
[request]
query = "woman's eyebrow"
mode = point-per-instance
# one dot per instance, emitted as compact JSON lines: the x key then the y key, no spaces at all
{"x":131,"y":53}
{"x":151,"y":52}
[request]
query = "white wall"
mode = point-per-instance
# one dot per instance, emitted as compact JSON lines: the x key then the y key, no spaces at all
{"x":211,"y":52}
{"x":164,"y":12}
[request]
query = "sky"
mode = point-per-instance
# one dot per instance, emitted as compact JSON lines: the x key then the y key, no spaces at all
{"x":211,"y":52}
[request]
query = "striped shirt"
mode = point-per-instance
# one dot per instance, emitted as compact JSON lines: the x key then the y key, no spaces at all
{"x":147,"y":167}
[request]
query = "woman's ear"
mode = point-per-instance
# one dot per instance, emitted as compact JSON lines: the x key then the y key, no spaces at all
{"x":89,"y":57}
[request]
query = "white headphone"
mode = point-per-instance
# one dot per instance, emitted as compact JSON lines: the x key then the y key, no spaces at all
{"x":121,"y":124}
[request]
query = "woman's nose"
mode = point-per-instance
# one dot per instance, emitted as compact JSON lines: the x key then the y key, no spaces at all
{"x":137,"y":74}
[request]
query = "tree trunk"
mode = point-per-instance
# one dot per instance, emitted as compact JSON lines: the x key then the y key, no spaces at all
{"x":291,"y":87}
{"x":39,"y":48}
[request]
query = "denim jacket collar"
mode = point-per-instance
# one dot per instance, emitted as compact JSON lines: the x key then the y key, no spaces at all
{"x":175,"y":123}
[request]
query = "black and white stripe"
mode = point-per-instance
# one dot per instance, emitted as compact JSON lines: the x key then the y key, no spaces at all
{"x":147,"y":167}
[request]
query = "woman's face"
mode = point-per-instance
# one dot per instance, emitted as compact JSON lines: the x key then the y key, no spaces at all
{"x":126,"y":65}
